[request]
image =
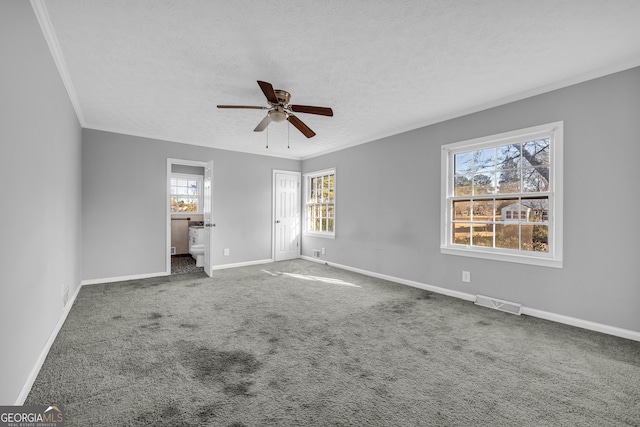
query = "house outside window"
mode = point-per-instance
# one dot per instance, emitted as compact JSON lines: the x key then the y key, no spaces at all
{"x":186,"y":194}
{"x":502,"y":196}
{"x":320,"y":188}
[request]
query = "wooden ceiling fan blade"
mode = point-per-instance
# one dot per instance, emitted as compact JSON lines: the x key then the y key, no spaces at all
{"x":263,"y":124}
{"x":306,"y":131}
{"x":322,"y":111}
{"x":268,"y":91}
{"x":243,"y":106}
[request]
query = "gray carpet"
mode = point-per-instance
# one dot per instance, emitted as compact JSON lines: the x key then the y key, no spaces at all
{"x":297,"y":343}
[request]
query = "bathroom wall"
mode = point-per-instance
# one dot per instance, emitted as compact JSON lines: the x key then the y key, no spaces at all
{"x":180,"y":232}
{"x":40,"y":143}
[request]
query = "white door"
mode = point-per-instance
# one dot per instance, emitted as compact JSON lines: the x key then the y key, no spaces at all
{"x":208,"y":220}
{"x":286,"y":215}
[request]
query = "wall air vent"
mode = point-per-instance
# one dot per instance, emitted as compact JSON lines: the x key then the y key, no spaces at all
{"x":173,"y":250}
{"x":498,"y":304}
{"x":316,"y":253}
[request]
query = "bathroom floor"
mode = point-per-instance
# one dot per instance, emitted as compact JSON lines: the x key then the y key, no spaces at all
{"x":184,"y":264}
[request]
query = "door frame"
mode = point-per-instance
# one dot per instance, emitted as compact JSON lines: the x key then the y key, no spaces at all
{"x":170,"y":162}
{"x":273,"y":210}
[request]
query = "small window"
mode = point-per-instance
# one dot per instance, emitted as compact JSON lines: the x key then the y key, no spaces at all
{"x":502,"y":197}
{"x":186,"y":194}
{"x":320,"y":188}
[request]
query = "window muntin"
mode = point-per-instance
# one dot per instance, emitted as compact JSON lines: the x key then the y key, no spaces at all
{"x":185,"y":194}
{"x":320,"y":202}
{"x":501,"y":196}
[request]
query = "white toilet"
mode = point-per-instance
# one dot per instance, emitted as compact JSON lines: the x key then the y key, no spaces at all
{"x":196,"y":244}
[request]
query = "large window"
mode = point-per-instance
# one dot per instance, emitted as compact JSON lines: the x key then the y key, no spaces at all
{"x":320,"y":189}
{"x":186,"y":193}
{"x":502,"y":196}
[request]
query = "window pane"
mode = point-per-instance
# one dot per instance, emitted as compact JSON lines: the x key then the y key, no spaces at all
{"x":462,"y":210}
{"x":330,"y":213}
{"x":461,"y":233}
{"x":330,"y":225}
{"x":462,"y":163}
{"x":538,"y":209}
{"x":483,"y":184}
{"x":183,"y":190}
{"x":314,"y":190}
{"x":536,"y":153}
{"x":482,"y":234}
{"x":183,"y":182}
{"x":484,"y":160}
{"x":535,"y":238}
{"x":535,"y":179}
{"x":508,"y":157}
{"x":508,"y":181}
{"x":174,"y":189}
{"x":317,"y":225}
{"x":324,"y":224}
{"x":173,"y":203}
{"x":462,"y":185}
{"x":483,"y":210}
{"x":505,"y":209}
{"x":507,"y":236}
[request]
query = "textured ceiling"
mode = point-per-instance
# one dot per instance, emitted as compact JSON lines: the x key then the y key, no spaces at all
{"x":158,"y":68}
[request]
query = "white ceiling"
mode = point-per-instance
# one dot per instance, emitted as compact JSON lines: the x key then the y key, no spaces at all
{"x":158,"y":68}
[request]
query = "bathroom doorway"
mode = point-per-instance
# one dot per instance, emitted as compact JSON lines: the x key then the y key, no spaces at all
{"x":187,"y":204}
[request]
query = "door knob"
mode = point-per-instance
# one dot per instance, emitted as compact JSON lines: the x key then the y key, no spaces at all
{"x":278,"y":222}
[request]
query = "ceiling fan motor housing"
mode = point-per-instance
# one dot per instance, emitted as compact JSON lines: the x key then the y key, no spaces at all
{"x":283,"y":96}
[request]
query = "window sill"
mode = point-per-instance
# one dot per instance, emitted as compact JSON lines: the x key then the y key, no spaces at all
{"x":501,"y":256}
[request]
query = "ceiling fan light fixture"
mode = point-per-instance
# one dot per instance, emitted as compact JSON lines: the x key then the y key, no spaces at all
{"x":277,"y":115}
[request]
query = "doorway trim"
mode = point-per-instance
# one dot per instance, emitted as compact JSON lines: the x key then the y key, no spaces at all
{"x":171,"y":162}
{"x":274,"y":206}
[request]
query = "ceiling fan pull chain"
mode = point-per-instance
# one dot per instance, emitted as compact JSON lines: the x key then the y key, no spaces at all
{"x":288,"y":130}
{"x":267,"y":137}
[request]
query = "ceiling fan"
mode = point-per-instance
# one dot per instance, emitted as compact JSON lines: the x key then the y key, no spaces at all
{"x":280,"y":109}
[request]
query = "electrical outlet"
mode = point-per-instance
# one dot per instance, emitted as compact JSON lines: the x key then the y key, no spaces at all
{"x":226,"y":251}
{"x":324,"y":251}
{"x":466,"y":276}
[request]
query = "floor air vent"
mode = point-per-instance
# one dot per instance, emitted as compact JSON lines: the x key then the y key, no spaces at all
{"x":498,"y":304}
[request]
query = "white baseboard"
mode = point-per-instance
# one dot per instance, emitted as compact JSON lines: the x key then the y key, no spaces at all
{"x":559,"y":318}
{"x":26,"y":388}
{"x":436,"y":289}
{"x":123,"y":278}
{"x":241,"y":264}
{"x":584,"y":324}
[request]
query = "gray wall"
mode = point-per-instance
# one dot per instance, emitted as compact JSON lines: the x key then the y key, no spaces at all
{"x":388,"y":205}
{"x":124,"y":206}
{"x":40,"y":210}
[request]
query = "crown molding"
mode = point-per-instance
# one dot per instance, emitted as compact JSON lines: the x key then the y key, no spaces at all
{"x":50,"y":36}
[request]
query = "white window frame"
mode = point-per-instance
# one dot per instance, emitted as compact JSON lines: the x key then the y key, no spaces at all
{"x":308,"y":204}
{"x":200,"y":196}
{"x":553,"y":258}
